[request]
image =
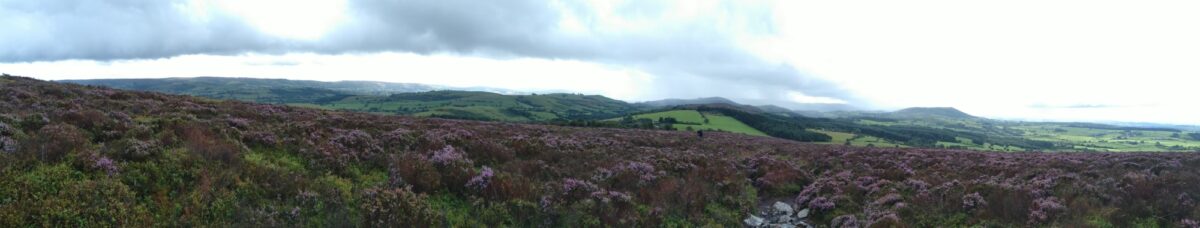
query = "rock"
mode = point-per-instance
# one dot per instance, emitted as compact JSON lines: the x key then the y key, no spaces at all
{"x":781,"y":219}
{"x":802,"y":214}
{"x":783,"y":208}
{"x":782,"y":226}
{"x":804,"y":224}
{"x":753,"y":221}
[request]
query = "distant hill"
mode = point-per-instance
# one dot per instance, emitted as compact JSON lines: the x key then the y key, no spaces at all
{"x":209,"y":86}
{"x":385,"y":97}
{"x":912,"y":127}
{"x":923,"y":112}
{"x":773,"y":109}
{"x":676,"y":102}
{"x":490,"y":106}
{"x":823,"y":107}
{"x":270,"y":90}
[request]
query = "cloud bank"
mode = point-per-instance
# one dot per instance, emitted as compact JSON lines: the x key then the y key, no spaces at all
{"x":691,"y":48}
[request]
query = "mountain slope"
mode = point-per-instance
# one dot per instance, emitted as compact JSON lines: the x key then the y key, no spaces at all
{"x":490,"y":106}
{"x":696,"y":101}
{"x":914,"y":127}
{"x":936,"y":112}
{"x":86,"y":156}
{"x":277,"y":91}
{"x":381,"y":97}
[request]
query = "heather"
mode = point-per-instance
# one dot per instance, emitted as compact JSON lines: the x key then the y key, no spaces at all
{"x":88,"y":156}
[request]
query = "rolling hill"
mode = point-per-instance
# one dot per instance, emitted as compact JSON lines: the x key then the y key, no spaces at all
{"x":912,"y":127}
{"x":696,"y":101}
{"x":922,"y":112}
{"x":488,"y":106}
{"x":72,"y":155}
{"x":383,"y":97}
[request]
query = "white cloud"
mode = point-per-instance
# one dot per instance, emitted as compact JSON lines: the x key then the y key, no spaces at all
{"x":802,"y":98}
{"x":1128,"y":60}
{"x":527,"y":74}
{"x":999,"y":58}
{"x":295,"y":19}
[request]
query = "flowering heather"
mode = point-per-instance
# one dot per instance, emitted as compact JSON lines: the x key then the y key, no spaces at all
{"x":480,"y":182}
{"x":448,"y":155}
{"x":7,"y":144}
{"x":164,"y":160}
{"x":822,"y":204}
{"x":260,"y":138}
{"x":972,"y":201}
{"x":607,"y":196}
{"x":239,"y":123}
{"x":1189,"y":223}
{"x":1044,"y":208}
{"x":107,"y":165}
{"x":6,"y":130}
{"x":572,"y":185}
{"x":846,"y":221}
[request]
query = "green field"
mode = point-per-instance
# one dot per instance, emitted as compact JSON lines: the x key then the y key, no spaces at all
{"x":840,"y":138}
{"x":697,"y":121}
{"x":1089,"y":139}
{"x":1065,"y":136}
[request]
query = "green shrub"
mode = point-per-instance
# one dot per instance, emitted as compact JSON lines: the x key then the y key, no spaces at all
{"x":397,"y":207}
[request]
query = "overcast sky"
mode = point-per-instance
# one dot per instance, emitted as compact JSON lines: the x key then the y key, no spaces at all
{"x":1086,"y":60}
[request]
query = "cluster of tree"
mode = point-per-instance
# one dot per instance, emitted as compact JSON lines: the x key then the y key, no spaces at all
{"x":626,"y":122}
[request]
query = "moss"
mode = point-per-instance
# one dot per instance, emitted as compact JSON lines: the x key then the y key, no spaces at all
{"x":456,"y":211}
{"x":342,"y":188}
{"x":275,"y":159}
{"x":722,"y":216}
{"x":1146,"y":223}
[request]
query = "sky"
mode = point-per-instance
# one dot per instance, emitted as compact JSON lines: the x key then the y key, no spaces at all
{"x":1061,"y":60}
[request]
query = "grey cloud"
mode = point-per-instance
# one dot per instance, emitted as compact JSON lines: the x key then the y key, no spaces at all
{"x":117,"y":29}
{"x":689,"y":58}
{"x":1076,"y":106}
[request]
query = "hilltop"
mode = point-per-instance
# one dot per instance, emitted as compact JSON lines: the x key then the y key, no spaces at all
{"x":384,"y":97}
{"x":926,"y":112}
{"x":696,"y":101}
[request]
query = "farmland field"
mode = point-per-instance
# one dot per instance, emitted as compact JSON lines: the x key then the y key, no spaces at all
{"x":697,"y":121}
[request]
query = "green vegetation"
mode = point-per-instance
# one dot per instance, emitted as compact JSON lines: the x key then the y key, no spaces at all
{"x":487,"y":106}
{"x":389,"y":98}
{"x":692,"y":120}
{"x":912,"y":127}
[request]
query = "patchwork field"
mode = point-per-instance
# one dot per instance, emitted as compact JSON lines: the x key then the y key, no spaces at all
{"x":695,"y":120}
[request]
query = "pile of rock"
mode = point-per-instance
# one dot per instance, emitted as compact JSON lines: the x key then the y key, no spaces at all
{"x":779,"y":215}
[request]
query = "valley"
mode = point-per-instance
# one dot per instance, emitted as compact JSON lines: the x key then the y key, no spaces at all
{"x":913,"y":127}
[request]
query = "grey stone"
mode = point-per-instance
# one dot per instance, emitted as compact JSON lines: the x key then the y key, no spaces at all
{"x":753,"y":221}
{"x":783,"y":208}
{"x":802,"y":214}
{"x":804,"y":224}
{"x":7,"y":145}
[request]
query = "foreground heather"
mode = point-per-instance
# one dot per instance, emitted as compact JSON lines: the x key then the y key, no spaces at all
{"x":73,"y":155}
